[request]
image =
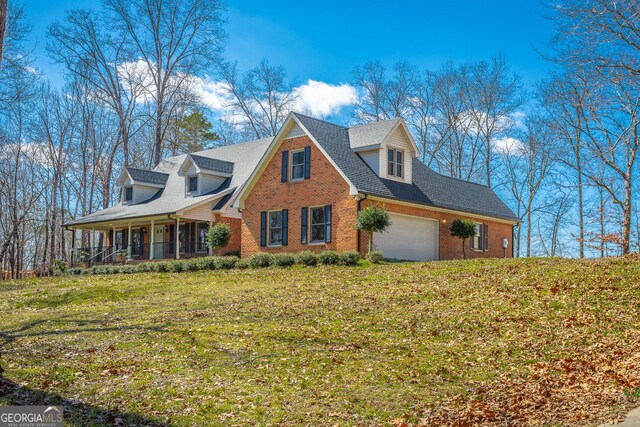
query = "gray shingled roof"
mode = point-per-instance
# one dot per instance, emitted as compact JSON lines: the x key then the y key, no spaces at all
{"x":171,"y":198}
{"x":210,"y":164}
{"x":370,"y":134}
{"x":147,"y":176}
{"x":428,"y":188}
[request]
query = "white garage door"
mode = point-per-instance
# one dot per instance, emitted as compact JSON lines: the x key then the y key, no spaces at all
{"x":409,"y":238}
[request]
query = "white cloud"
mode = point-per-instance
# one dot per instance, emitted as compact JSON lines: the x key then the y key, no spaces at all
{"x":507,"y":145}
{"x":321,"y":99}
{"x":315,"y":98}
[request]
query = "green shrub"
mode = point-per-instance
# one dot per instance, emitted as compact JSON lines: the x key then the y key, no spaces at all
{"x":329,"y":257}
{"x":176,"y":266}
{"x":307,"y":258}
{"x":59,"y":265}
{"x":284,"y":260}
{"x":242,"y":264}
{"x":143,"y":267}
{"x":190,"y":265}
{"x":162,"y":266}
{"x":205,"y":263}
{"x":128,"y":269}
{"x":348,"y":258}
{"x":261,"y":259}
{"x":375,"y":257}
{"x":219,"y":236}
{"x":76,"y":271}
{"x":233,"y":253}
{"x":226,"y":262}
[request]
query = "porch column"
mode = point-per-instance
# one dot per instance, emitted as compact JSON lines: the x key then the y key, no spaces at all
{"x":73,"y":246}
{"x":113,"y":245}
{"x":210,"y":248}
{"x":177,"y":237}
{"x":151,"y":240}
{"x":129,"y":241}
{"x":91,"y":251}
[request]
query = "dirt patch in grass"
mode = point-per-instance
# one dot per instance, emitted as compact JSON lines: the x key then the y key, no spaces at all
{"x":539,"y":342}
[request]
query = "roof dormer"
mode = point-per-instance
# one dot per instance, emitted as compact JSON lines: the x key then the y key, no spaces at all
{"x":139,"y":185}
{"x":204,"y":174}
{"x":387,"y":147}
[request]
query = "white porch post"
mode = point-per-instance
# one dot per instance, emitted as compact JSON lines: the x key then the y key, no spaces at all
{"x":113,"y":245}
{"x":177,"y":237}
{"x":129,"y":241}
{"x":210,"y":248}
{"x":151,"y":240}
{"x":91,"y":250}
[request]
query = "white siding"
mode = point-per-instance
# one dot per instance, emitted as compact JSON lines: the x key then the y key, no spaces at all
{"x":207,"y":183}
{"x":202,"y":212}
{"x":372,"y":158}
{"x":141,"y":192}
{"x":295,"y":131}
{"x":398,"y":139}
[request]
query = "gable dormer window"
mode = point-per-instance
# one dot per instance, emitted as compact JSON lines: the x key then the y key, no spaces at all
{"x":297,"y":165}
{"x":395,"y":162}
{"x":128,"y":194}
{"x":193,"y":184}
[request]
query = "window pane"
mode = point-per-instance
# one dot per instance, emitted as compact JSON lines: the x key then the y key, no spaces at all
{"x":390,"y":162}
{"x":317,"y":233}
{"x":275,"y":236}
{"x":317,"y":216}
{"x":399,"y":164}
{"x":297,"y":158}
{"x":128,"y":193}
{"x":275,"y":219}
{"x":297,"y":172}
{"x":193,"y":183}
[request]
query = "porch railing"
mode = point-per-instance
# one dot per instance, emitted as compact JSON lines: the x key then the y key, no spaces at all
{"x":138,"y":252}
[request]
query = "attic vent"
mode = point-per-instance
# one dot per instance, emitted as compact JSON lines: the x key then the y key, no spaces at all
{"x":295,"y":131}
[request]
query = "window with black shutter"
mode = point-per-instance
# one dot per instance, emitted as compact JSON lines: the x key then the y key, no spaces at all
{"x":303,"y":226}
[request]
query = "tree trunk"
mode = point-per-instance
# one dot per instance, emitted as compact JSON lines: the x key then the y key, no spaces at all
{"x":3,"y":24}
{"x":370,"y":242}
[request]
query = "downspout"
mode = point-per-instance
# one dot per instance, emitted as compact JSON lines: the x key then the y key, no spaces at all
{"x":513,"y":240}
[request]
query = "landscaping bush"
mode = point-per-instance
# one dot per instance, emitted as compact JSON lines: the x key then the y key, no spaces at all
{"x":307,"y":258}
{"x":128,"y":269}
{"x":348,"y":258}
{"x":162,"y":266}
{"x":284,"y":260}
{"x":176,"y":266}
{"x":375,"y":257}
{"x":261,"y":259}
{"x":225,"y":262}
{"x":205,"y":263}
{"x":242,"y":264}
{"x":329,"y":257}
{"x":235,"y":253}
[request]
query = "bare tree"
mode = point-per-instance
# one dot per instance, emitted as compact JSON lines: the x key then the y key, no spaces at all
{"x":91,"y":53}
{"x":3,"y":24}
{"x":494,"y":96}
{"x":174,"y":40}
{"x":371,"y":78}
{"x":261,"y":99}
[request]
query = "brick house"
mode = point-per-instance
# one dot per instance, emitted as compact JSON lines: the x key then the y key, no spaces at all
{"x":300,"y":190}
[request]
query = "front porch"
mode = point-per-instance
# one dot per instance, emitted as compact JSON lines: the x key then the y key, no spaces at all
{"x":141,"y":240}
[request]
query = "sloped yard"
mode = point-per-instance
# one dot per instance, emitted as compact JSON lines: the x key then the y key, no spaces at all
{"x":540,"y":342}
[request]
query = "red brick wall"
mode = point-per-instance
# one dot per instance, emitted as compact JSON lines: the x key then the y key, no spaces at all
{"x":325,"y":187}
{"x":236,"y":232}
{"x":451,"y":247}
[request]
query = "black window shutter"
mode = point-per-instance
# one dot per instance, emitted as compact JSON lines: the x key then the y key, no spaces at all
{"x":327,"y":219}
{"x":285,"y":227}
{"x":307,"y":162}
{"x":263,"y":228}
{"x":486,"y":237}
{"x":285,"y":166}
{"x":303,"y":226}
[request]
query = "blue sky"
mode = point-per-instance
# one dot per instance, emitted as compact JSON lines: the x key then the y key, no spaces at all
{"x":324,"y":41}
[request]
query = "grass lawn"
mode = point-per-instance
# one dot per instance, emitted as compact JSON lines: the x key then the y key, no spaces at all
{"x":541,"y":342}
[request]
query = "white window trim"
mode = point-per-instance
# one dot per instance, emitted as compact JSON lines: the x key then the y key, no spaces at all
{"x":480,"y":238}
{"x":395,"y":163}
{"x":310,"y":226}
{"x":188,"y":185}
{"x":269,"y":244}
{"x":124,"y":195}
{"x":291,"y":152}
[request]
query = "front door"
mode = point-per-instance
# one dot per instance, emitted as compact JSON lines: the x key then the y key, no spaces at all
{"x":158,"y":242}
